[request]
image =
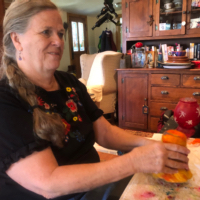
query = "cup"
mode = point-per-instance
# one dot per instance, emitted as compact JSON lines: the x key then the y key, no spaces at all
{"x":168,"y":6}
{"x":178,"y":4}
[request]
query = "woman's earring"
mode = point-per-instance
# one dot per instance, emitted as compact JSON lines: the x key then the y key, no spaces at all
{"x":20,"y":58}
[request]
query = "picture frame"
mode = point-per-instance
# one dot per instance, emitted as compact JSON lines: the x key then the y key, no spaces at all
{"x":149,"y":59}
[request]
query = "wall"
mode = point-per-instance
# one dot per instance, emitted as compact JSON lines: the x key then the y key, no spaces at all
{"x":93,"y":35}
{"x":93,"y":38}
{"x":65,"y":61}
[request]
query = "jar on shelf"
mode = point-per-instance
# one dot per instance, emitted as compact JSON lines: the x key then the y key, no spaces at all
{"x":138,"y":57}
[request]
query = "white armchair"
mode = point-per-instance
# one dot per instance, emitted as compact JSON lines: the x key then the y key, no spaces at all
{"x":100,"y":77}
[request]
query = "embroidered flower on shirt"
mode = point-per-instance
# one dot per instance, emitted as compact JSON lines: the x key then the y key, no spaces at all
{"x":70,"y":104}
{"x":71,"y":95}
{"x":76,"y":134}
{"x":46,"y":106}
{"x":68,"y":89}
{"x":40,"y":101}
{"x":66,"y":138}
{"x":67,"y":126}
{"x":75,"y":118}
{"x":79,"y":118}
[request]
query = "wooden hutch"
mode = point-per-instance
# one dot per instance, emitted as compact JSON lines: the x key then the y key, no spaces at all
{"x":162,"y":88}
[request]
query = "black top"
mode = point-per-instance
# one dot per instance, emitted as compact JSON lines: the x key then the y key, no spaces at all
{"x":17,"y":139}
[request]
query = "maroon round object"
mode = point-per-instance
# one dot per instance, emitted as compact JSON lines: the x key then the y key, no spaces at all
{"x":187,"y":113}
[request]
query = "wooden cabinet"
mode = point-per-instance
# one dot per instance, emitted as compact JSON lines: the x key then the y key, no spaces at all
{"x":163,"y":88}
{"x":138,"y":16}
{"x":143,"y":20}
{"x":132,"y":92}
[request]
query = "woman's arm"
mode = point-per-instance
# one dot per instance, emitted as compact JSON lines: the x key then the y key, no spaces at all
{"x":113,"y":137}
{"x":40,"y":173}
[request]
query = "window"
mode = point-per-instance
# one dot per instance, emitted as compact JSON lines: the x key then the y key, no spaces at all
{"x":78,"y":36}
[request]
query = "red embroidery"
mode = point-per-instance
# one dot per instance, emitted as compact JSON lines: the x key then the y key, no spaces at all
{"x":67,"y":126}
{"x":40,"y":101}
{"x":46,"y":106}
{"x":70,"y":104}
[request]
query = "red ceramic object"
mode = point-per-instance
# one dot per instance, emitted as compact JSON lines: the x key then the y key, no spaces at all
{"x":187,"y":115}
{"x":196,"y":64}
{"x":139,"y":44}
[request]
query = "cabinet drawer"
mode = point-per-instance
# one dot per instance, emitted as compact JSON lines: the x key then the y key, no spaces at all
{"x":165,"y":79}
{"x":154,"y":124}
{"x":156,"y":109}
{"x":191,"y":80}
{"x":174,"y":94}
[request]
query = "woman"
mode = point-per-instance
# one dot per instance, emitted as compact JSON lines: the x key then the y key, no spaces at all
{"x":48,"y":123}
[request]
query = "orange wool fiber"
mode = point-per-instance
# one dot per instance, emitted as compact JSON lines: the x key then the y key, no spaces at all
{"x":175,"y":137}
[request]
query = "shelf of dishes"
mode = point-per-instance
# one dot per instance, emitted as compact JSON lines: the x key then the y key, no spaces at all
{"x":171,"y":15}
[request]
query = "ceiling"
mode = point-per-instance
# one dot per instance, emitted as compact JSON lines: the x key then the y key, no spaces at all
{"x":84,"y":7}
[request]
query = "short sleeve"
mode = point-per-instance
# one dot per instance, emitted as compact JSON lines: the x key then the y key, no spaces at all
{"x":17,"y":139}
{"x":90,"y":107}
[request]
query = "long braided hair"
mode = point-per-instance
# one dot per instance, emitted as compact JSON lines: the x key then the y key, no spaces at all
{"x":17,"y":17}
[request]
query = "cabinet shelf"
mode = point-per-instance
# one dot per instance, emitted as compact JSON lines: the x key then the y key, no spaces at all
{"x":197,"y":10}
{"x":170,"y":13}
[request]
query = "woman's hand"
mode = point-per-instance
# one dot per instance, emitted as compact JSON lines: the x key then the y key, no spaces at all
{"x":159,"y":157}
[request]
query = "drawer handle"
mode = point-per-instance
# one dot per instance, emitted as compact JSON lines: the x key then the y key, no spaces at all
{"x":165,"y":78}
{"x":163,"y":108}
{"x":164,"y":92}
{"x":196,"y":94}
{"x":197,"y":78}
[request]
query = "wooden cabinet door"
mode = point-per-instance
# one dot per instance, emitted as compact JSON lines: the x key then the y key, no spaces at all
{"x":132,"y":90}
{"x":170,"y":22}
{"x":193,"y":20}
{"x":138,"y":14}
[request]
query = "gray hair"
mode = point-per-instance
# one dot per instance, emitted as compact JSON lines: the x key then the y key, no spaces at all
{"x":17,"y":18}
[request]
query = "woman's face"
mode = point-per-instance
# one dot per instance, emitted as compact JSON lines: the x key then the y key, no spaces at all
{"x":42,"y":43}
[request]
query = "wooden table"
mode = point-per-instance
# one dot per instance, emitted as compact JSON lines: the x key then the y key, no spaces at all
{"x":145,"y":187}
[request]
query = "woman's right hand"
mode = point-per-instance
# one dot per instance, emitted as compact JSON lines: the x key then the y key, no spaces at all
{"x":159,"y":157}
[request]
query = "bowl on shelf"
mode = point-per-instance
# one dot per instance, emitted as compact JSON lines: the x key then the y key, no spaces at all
{"x":178,"y":59}
{"x":178,"y":53}
{"x":196,"y":64}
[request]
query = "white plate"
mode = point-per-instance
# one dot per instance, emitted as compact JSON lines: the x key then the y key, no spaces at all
{"x":176,"y":67}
